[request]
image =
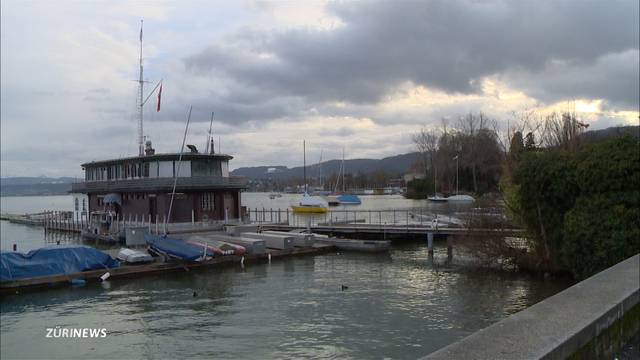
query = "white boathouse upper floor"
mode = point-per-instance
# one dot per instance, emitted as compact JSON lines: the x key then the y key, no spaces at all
{"x":158,"y":166}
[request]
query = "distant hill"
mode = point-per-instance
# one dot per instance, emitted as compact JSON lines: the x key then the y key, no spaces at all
{"x":42,"y":185}
{"x":611,"y":132}
{"x":396,"y":165}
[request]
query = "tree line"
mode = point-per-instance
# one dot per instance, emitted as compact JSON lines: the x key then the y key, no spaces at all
{"x":577,"y":196}
{"x":467,"y":157}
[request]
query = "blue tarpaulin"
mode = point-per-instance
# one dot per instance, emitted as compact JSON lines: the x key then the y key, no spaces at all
{"x":176,"y":247}
{"x":52,"y":260}
{"x":112,"y":199}
{"x":349,"y":199}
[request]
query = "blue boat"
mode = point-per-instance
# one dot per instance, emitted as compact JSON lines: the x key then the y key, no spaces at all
{"x":349,"y":199}
{"x":177,"y":248}
{"x":52,"y":260}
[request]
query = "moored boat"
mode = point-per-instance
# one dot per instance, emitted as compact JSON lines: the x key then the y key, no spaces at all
{"x":355,"y":245}
{"x":53,"y":260}
{"x":311,"y":204}
{"x":437,"y":198}
{"x":349,"y":199}
{"x":177,"y":248}
{"x":461,"y":198}
{"x":219,"y":248}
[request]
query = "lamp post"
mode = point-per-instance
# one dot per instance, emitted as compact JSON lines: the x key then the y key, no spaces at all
{"x":457,"y":182}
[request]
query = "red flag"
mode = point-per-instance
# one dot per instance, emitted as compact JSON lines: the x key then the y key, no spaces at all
{"x":159,"y":95}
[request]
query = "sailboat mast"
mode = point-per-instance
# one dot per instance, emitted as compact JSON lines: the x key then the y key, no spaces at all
{"x":141,"y":104}
{"x":343,"y":170}
{"x":435,"y":181}
{"x":457,"y":182}
{"x":304,"y":165}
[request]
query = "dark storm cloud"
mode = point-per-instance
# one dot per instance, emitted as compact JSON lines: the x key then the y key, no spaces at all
{"x":448,"y":45}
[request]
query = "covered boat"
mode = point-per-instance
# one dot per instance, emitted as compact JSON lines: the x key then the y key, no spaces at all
{"x":134,"y":256}
{"x":53,"y":260}
{"x":437,"y":198}
{"x":461,"y":198}
{"x":219,"y":248}
{"x":177,"y":248}
{"x":349,"y":199}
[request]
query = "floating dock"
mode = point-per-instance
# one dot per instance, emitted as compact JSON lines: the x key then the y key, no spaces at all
{"x":157,"y":268}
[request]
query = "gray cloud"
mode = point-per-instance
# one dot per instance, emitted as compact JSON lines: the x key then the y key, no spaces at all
{"x":613,"y":77}
{"x":448,"y":45}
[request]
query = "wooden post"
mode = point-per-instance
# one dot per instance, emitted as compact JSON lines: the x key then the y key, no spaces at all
{"x":287,"y":216}
{"x":193,"y":217}
{"x":430,"y":244}
{"x":156,"y":224}
{"x":149,"y":223}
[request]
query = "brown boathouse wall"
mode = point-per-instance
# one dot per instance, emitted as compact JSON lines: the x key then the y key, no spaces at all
{"x":152,"y":204}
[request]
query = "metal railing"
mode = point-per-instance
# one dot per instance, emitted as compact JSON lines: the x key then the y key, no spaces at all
{"x":397,"y":217}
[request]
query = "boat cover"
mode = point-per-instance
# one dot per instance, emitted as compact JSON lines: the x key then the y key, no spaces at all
{"x":313,"y":201}
{"x":176,"y":247}
{"x":53,"y":260}
{"x":133,"y":256}
{"x":349,"y":199}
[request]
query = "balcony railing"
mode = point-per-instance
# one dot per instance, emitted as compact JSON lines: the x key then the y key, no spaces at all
{"x":160,"y":184}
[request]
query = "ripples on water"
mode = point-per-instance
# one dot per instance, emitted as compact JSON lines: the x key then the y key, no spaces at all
{"x":396,"y":306}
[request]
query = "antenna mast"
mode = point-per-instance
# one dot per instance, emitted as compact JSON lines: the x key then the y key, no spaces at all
{"x":210,"y":138}
{"x":141,"y":104}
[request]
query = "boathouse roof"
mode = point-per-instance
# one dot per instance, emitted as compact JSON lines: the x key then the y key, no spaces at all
{"x":159,"y":157}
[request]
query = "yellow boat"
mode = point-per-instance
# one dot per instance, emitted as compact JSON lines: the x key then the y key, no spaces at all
{"x":311,"y":205}
{"x":309,"y":209}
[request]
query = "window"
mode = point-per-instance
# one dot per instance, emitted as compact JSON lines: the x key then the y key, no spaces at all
{"x":205,"y":167}
{"x":84,"y":205}
{"x":77,"y":204}
{"x":207,"y":201}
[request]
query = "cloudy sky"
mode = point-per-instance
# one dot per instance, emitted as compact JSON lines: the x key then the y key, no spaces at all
{"x":364,"y":75}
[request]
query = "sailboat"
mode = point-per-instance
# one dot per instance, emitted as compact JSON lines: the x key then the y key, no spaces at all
{"x":343,"y":198}
{"x":436,"y":197}
{"x":309,"y":204}
{"x":457,"y":197}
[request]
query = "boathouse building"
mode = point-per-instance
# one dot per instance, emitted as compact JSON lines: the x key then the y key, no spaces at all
{"x":141,"y":186}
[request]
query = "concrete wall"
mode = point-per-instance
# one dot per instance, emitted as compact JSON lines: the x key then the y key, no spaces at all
{"x":591,"y":319}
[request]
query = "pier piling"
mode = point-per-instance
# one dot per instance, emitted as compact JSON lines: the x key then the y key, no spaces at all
{"x":430,"y":244}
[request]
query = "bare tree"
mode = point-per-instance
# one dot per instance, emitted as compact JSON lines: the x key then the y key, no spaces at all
{"x":562,"y":131}
{"x":426,"y":141}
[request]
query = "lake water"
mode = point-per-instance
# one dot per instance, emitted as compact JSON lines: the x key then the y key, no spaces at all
{"x":397,"y":305}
